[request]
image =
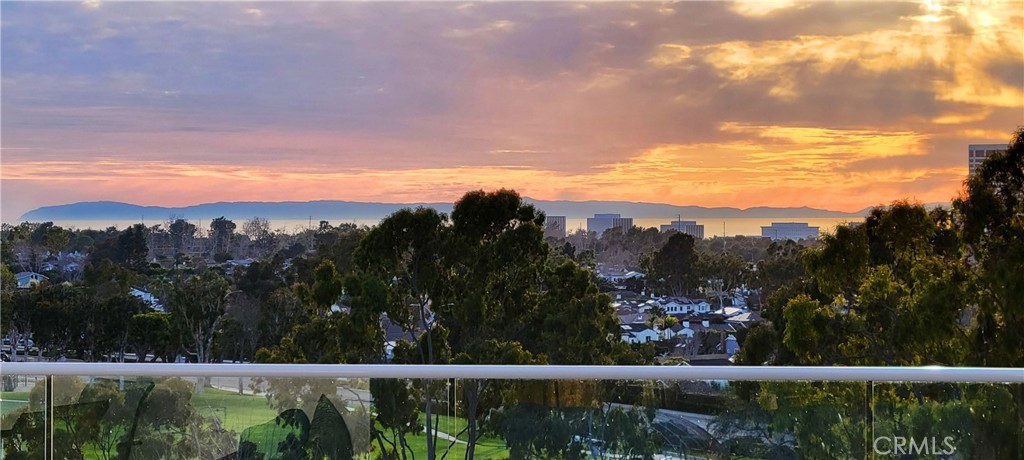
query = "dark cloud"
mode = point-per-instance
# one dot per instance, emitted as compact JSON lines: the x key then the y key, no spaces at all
{"x":1009,"y":70}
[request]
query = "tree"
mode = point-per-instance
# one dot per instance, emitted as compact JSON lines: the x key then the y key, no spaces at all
{"x":405,"y":250}
{"x":238,"y":336}
{"x":261,"y":238}
{"x":574,"y":322}
{"x":782,"y":267}
{"x":723,"y":272}
{"x":149,"y":332}
{"x":890,"y":291}
{"x":991,"y":221}
{"x":8,"y":284}
{"x":672,"y":269}
{"x":990,"y":215}
{"x":279,"y":314}
{"x":197,"y":305}
{"x":133,"y":247}
{"x":482,"y":287}
{"x":18,"y":315}
{"x":106,"y":325}
{"x":182,"y":235}
{"x":625,"y":247}
{"x":222,"y":235}
{"x":839,"y":265}
{"x":807,"y":321}
{"x":56,"y":318}
{"x":397,"y":405}
{"x":31,"y":244}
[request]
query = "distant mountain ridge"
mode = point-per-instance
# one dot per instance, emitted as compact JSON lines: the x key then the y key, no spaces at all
{"x":354,"y":210}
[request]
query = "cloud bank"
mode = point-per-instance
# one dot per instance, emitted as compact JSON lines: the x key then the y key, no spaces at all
{"x":834,"y":105}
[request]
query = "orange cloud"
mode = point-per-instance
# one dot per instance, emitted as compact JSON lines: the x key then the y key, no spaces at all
{"x":929,"y":40}
{"x":779,"y":166}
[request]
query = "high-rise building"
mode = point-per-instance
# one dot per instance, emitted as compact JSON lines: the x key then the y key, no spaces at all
{"x":689,"y":227}
{"x":601,"y":222}
{"x":789,"y":231}
{"x":554,"y":227}
{"x":977,"y":153}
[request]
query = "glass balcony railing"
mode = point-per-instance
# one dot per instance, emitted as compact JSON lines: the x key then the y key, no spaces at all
{"x":238,"y":411}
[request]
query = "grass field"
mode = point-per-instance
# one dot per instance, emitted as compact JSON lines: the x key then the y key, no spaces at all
{"x":10,"y":401}
{"x":418,"y":444}
{"x":240,"y":412}
{"x":237,"y":412}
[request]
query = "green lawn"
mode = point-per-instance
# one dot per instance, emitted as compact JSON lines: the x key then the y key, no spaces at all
{"x":237,"y":412}
{"x":454,"y":425}
{"x":489,"y":448}
{"x":240,"y":412}
{"x":10,"y":401}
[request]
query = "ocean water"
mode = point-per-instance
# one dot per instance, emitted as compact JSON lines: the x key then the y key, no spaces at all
{"x":712,"y":227}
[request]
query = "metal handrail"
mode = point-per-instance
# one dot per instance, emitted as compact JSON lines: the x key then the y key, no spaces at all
{"x":438,"y":371}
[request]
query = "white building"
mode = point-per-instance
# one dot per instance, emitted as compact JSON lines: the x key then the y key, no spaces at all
{"x":554,"y":227}
{"x":977,"y":153}
{"x":789,"y":231}
{"x":689,"y":227}
{"x":639,"y":333}
{"x":618,"y":275}
{"x":683,"y":305}
{"x":148,"y":298}
{"x":27,"y":279}
{"x":601,"y":222}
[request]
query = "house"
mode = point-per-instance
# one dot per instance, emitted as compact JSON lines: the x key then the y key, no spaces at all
{"x":147,"y":298}
{"x":639,"y":333}
{"x":240,"y":262}
{"x":730,"y":312}
{"x":701,"y":305}
{"x":618,"y":274}
{"x":624,"y":295}
{"x":745,"y":319}
{"x":683,"y":305}
{"x":27,"y":279}
{"x":732,"y":346}
{"x":629,"y":314}
{"x":690,"y":328}
{"x":394,"y":333}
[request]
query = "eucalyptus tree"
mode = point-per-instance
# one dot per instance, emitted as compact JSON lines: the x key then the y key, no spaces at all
{"x":197,"y":305}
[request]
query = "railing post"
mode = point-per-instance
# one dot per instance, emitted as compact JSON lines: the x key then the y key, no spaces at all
{"x":869,"y":429}
{"x":48,"y":422}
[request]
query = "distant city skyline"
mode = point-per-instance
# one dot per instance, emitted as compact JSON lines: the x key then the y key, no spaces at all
{"x":824,"y":104}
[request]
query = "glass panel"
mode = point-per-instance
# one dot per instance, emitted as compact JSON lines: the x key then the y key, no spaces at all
{"x":657,"y":419}
{"x":22,"y":414}
{"x":206,"y":418}
{"x":305,"y":418}
{"x":948,"y":420}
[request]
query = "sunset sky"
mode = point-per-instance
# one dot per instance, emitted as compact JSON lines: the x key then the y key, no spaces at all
{"x":830,"y":105}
